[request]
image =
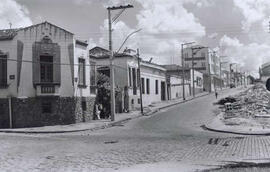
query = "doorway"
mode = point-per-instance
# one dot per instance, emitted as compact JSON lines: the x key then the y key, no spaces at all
{"x":163,"y":91}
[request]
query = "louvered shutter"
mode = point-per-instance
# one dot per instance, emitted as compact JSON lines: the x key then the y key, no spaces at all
{"x":57,"y":64}
{"x":36,"y":63}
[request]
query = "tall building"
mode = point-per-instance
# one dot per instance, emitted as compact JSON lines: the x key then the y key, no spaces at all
{"x":204,"y":62}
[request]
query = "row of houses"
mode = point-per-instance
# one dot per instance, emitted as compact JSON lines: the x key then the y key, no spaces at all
{"x":159,"y":82}
{"x":48,"y":77}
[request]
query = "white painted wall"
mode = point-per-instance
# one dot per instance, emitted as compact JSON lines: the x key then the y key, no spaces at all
{"x":176,"y":88}
{"x":81,"y":52}
{"x":28,"y":36}
{"x":198,"y":76}
{"x":10,"y":47}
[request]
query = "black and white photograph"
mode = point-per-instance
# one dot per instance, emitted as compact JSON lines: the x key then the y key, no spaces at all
{"x":134,"y":85}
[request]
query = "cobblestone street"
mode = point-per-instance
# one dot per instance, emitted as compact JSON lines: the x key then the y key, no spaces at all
{"x":170,"y":136}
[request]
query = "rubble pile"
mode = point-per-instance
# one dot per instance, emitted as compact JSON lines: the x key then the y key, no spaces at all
{"x":250,"y":107}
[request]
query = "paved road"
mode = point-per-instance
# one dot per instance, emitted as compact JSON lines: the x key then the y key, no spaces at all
{"x":172,"y":135}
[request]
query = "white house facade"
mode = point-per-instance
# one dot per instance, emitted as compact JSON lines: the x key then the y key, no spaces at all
{"x":37,"y":76}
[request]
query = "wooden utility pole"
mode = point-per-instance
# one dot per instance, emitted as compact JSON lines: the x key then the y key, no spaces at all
{"x":193,"y":85}
{"x":112,"y":84}
{"x":192,"y":59}
{"x":140,"y":82}
{"x":183,"y":71}
{"x":183,"y":67}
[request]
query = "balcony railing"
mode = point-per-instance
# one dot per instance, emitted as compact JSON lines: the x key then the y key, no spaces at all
{"x":47,"y":89}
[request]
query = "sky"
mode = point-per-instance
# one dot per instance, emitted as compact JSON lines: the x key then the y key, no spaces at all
{"x":237,"y":29}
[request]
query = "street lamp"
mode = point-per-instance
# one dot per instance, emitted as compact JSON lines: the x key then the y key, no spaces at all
{"x":183,"y":70}
{"x":110,"y":21}
{"x":129,"y":35}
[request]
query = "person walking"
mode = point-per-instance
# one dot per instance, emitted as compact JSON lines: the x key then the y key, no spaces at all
{"x":216,"y":94}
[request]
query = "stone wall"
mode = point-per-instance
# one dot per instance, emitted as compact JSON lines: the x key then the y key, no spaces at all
{"x":28,"y":112}
{"x":84,"y":116}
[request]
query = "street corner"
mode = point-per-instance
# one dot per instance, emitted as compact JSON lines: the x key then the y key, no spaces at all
{"x":246,"y":113}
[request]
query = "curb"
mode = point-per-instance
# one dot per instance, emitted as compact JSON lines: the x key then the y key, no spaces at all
{"x":187,"y":100}
{"x":104,"y":126}
{"x":232,"y":132}
{"x":71,"y":131}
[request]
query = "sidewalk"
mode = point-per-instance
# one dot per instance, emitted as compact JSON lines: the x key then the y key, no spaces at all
{"x":217,"y":125}
{"x":241,"y":125}
{"x":102,"y":124}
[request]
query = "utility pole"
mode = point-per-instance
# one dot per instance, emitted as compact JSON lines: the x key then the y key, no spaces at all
{"x":112,"y":84}
{"x":192,"y":59}
{"x":236,"y":76}
{"x":140,"y":82}
{"x":230,"y":75}
{"x":220,"y":75}
{"x":193,"y":86}
{"x":212,"y":54}
{"x":183,"y":67}
{"x":220,"y":71}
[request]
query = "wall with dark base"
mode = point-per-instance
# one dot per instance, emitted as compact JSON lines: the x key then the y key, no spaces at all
{"x":28,"y":112}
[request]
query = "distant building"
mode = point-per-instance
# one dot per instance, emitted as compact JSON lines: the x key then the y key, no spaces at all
{"x":37,"y":75}
{"x":250,"y":80}
{"x":175,"y":76}
{"x":204,"y":62}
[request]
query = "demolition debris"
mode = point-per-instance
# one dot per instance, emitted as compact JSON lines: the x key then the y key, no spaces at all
{"x":249,"y":108}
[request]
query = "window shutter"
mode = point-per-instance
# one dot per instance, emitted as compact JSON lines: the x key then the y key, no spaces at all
{"x":71,"y":60}
{"x":36,"y":64}
{"x":57,"y":64}
{"x":3,"y":71}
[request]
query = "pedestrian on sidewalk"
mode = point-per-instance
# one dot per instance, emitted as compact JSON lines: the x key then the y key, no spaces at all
{"x":98,"y":111}
{"x":216,"y":93}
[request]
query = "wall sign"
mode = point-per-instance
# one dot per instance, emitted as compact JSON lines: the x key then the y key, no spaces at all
{"x":11,"y":77}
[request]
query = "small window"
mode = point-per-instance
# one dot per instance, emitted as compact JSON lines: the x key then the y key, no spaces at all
{"x":81,"y":72}
{"x":3,"y":71}
{"x":203,"y":64}
{"x":156,"y":86}
{"x":143,"y":86}
{"x":139,"y":101}
{"x":132,"y":101}
{"x":147,"y":86}
{"x":84,"y":106}
{"x":46,"y":107}
{"x":138,"y":77}
{"x":129,"y":76}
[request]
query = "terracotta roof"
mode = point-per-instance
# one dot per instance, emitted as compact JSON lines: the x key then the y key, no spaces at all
{"x":102,"y":53}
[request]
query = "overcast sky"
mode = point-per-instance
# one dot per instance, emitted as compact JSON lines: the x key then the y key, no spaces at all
{"x":237,"y":28}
